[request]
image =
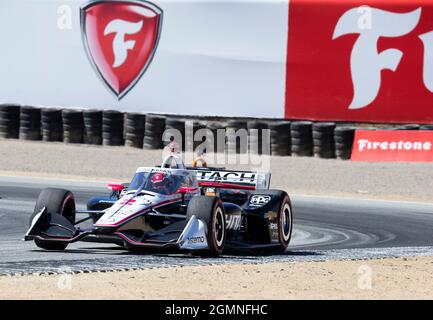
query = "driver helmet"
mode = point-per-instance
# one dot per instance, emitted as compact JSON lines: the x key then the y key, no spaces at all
{"x":158,"y":179}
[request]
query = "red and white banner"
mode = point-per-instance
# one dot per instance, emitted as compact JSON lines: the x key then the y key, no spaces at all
{"x":393,"y":146}
{"x":348,"y":60}
{"x":367,"y":61}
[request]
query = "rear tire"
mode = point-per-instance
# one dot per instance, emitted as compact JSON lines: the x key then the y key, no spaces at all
{"x":211,"y":211}
{"x":58,"y":201}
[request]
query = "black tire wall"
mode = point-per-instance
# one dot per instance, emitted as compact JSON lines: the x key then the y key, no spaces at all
{"x":112,"y":128}
{"x":323,"y":140}
{"x":154,"y":128}
{"x":134,"y":129}
{"x":344,"y":137}
{"x":30,"y":123}
{"x":234,"y":142}
{"x":280,"y":138}
{"x":9,"y":121}
{"x":51,"y":123}
{"x":73,"y":126}
{"x":301,"y":138}
{"x":92,"y":127}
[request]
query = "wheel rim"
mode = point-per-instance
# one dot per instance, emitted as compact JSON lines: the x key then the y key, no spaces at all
{"x":219,"y":229}
{"x":286,"y":223}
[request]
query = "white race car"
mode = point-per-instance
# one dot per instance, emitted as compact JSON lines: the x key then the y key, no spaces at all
{"x":197,"y":209}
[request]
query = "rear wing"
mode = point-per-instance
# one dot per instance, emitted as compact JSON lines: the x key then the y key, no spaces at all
{"x":228,"y":179}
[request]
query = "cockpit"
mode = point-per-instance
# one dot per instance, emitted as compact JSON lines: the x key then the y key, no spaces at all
{"x":165,"y":182}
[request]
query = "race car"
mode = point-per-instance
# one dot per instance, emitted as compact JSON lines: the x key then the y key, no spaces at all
{"x":200,"y":210}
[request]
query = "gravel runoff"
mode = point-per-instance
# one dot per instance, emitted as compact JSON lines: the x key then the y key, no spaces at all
{"x":156,"y":261}
{"x":394,"y":181}
{"x":390,"y":278}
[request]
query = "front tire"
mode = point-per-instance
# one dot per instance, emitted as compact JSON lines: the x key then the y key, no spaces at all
{"x":285,"y":224}
{"x":58,"y":201}
{"x":211,"y":211}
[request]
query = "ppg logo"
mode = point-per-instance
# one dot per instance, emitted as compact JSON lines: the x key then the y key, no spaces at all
{"x":259,"y":200}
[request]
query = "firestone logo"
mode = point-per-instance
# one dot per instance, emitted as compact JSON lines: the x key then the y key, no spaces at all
{"x":120,"y":38}
{"x":365,"y":144}
{"x":366,"y":63}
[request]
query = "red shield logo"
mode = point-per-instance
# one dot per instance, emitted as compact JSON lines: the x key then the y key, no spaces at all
{"x":120,"y":38}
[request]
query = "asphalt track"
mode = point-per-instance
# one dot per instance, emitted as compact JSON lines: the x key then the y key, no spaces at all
{"x":324,"y":228}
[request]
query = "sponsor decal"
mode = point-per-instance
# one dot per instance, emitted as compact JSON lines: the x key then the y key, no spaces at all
{"x":393,"y":146}
{"x":152,"y":169}
{"x":235,"y":177}
{"x":193,"y":240}
{"x":369,"y":62}
{"x":273,"y":226}
{"x":233,"y":222}
{"x":259,"y":200}
{"x":120,"y":38}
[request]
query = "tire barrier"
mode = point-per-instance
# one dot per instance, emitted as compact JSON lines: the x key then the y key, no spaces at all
{"x":92,"y":127}
{"x":153,"y":130}
{"x":301,"y":138}
{"x":199,"y":125}
{"x":344,"y":137}
{"x":73,"y":126}
{"x":9,"y":121}
{"x":134,"y":129}
{"x":51,"y":124}
{"x":216,"y":136}
{"x":426,"y":127}
{"x":323,"y":140}
{"x":408,"y":127}
{"x":237,"y":136}
{"x":30,"y":123}
{"x":192,"y":142}
{"x":175,"y":129}
{"x":256,"y":135}
{"x":280,"y":138}
{"x":112,"y":128}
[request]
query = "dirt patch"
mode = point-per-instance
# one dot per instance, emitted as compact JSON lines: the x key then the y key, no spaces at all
{"x":402,"y":278}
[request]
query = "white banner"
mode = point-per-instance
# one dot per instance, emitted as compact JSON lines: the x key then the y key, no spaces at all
{"x":216,"y":57}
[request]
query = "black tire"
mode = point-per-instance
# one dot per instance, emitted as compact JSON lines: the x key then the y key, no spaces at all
{"x":55,"y":201}
{"x":409,"y":127}
{"x":73,"y":126}
{"x":280,"y":150}
{"x":112,"y":128}
{"x":324,"y":127}
{"x":211,"y":211}
{"x":51,"y":125}
{"x":281,"y":204}
{"x":301,"y":128}
{"x":175,"y":128}
{"x":426,"y":127}
{"x":301,"y":151}
{"x":237,"y":124}
{"x":285,"y":223}
{"x":9,"y":121}
{"x":154,"y":128}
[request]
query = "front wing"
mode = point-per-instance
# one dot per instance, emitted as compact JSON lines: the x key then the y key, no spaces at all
{"x":183,"y":235}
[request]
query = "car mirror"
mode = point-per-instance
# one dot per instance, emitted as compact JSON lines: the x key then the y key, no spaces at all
{"x":116,"y":187}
